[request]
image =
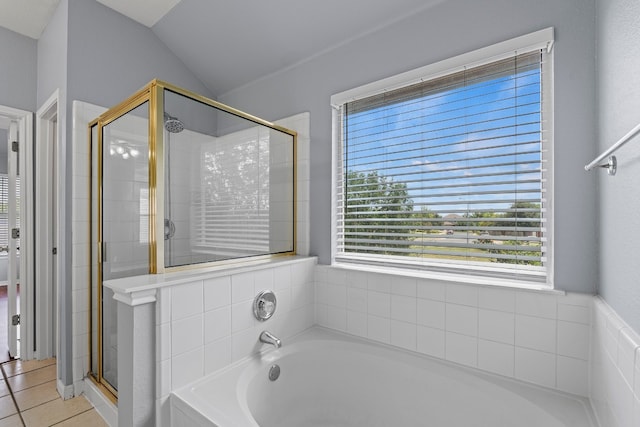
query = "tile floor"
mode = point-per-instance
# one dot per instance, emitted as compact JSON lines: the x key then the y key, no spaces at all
{"x":28,"y":398}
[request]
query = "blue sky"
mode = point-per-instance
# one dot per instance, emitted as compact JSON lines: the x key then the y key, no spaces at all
{"x":475,"y":127}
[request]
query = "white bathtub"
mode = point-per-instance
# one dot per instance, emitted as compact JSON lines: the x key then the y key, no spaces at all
{"x":329,"y":379}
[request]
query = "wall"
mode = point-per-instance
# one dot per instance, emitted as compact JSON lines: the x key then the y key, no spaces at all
{"x":52,"y":54}
{"x":537,"y":337}
{"x":447,"y":29}
{"x":112,"y":56}
{"x":618,"y":83}
{"x":614,"y":375}
{"x":18,"y":70}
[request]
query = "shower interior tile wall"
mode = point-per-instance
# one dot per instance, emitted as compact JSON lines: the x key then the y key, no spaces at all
{"x":301,"y":124}
{"x":541,"y":338}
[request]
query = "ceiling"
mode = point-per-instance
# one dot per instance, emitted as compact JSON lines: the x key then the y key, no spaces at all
{"x":229,"y":43}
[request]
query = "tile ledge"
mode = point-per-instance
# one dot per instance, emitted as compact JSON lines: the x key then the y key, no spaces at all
{"x":148,"y":282}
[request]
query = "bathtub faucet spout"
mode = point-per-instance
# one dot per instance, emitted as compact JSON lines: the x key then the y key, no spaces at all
{"x":268,"y":338}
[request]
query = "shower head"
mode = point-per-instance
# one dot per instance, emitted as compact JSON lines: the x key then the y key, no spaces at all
{"x":173,"y":124}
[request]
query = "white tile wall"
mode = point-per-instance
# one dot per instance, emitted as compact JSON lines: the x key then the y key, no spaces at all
{"x":83,"y":113}
{"x":205,"y":325}
{"x":522,"y":334}
{"x":301,"y":124}
{"x":615,"y":369}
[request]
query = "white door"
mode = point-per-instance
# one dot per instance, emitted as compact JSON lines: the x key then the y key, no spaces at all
{"x":13,"y":266}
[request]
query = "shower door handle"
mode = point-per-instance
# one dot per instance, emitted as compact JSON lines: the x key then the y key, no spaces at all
{"x":169,"y":229}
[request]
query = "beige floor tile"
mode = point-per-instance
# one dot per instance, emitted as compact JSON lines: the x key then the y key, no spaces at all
{"x":12,"y":421}
{"x":16,"y":367}
{"x":55,"y":411}
{"x":36,"y":395}
{"x":7,"y":407}
{"x":32,"y":378}
{"x":4,"y":390}
{"x":88,"y":418}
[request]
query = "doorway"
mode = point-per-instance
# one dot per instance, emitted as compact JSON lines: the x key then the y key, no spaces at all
{"x":5,"y":355}
{"x":16,"y":246}
{"x":47,"y":225}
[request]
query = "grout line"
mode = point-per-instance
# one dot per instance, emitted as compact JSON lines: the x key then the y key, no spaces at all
{"x":4,"y":375}
{"x":26,"y":372}
{"x":73,"y":416}
{"x":33,"y":385}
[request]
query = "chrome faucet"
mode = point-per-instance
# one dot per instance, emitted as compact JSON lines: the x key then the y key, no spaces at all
{"x":268,"y":338}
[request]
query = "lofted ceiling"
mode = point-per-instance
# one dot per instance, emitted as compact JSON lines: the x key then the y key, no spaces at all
{"x":229,"y":43}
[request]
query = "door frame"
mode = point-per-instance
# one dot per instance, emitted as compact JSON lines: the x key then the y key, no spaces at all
{"x":25,"y":119}
{"x":46,"y":289}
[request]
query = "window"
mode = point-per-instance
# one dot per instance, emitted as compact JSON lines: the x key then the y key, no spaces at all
{"x":450,"y":172}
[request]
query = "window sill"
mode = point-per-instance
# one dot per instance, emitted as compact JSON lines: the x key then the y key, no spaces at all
{"x":452,"y":277}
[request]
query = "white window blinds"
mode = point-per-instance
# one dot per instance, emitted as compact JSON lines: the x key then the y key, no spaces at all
{"x":4,"y":209}
{"x":448,"y":173}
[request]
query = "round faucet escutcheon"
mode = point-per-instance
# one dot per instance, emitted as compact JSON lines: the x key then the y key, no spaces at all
{"x":264,"y":305}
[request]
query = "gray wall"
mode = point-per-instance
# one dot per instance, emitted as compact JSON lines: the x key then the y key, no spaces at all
{"x":52,"y":75}
{"x":447,"y":29}
{"x":17,"y":70}
{"x":52,"y":54}
{"x":105,"y":58}
{"x":618,"y":83}
{"x":111,"y":56}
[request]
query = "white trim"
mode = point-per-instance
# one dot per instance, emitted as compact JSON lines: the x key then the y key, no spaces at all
{"x":44,"y":160}
{"x":136,"y":298}
{"x":542,"y":39}
{"x":27,"y":259}
{"x":335,"y":137}
{"x":548,"y":156}
{"x":66,"y":392}
{"x":482,"y":281}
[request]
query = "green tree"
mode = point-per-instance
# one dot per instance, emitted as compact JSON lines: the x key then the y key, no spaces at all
{"x":484,"y":220}
{"x":377,"y":212}
{"x":521,"y":211}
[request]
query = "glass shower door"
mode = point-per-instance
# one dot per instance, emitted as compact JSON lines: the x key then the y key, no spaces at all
{"x":125,"y":219}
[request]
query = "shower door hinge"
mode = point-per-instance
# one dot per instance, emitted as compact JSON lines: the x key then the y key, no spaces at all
{"x":15,"y":233}
{"x":15,"y":146}
{"x":15,"y":320}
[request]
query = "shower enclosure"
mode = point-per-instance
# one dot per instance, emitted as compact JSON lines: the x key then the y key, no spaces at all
{"x":179,"y":181}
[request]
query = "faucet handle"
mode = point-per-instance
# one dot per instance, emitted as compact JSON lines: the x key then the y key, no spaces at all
{"x":264,"y":305}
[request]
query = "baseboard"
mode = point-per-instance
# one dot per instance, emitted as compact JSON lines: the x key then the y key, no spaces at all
{"x":65,"y":391}
{"x":105,"y":407}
